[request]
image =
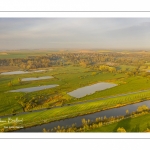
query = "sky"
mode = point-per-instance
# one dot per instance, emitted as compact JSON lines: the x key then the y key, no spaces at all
{"x":74,"y":33}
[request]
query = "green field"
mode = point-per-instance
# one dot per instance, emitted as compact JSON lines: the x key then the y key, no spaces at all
{"x":57,"y":104}
{"x":11,"y":54}
{"x":48,"y":115}
{"x":66,"y":78}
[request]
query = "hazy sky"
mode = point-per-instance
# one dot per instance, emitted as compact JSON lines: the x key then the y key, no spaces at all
{"x":84,"y":33}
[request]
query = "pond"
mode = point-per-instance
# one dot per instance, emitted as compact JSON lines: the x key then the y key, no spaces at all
{"x":33,"y":89}
{"x":87,"y":90}
{"x":38,"y":71}
{"x":38,"y":78}
{"x":78,"y":120}
{"x":20,"y":72}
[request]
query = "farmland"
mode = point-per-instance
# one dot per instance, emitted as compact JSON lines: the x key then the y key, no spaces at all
{"x":70,"y":70}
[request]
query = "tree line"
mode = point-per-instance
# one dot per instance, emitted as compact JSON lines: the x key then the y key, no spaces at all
{"x":101,"y":121}
{"x":94,"y":59}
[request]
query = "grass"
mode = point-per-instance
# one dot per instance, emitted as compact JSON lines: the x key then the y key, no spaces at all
{"x":137,"y":124}
{"x":11,"y":55}
{"x":34,"y":118}
{"x":21,"y":54}
{"x":125,"y":85}
{"x":127,"y":67}
{"x":65,"y":77}
{"x":68,"y":78}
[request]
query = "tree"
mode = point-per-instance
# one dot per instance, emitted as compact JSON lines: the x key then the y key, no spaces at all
{"x":112,"y":69}
{"x":142,"y":108}
{"x":127,"y":112}
{"x":84,"y":122}
{"x":121,"y":129}
{"x":105,"y":119}
{"x":44,"y":130}
{"x":19,"y":80}
{"x":84,"y":64}
{"x":10,"y":83}
{"x":13,"y":111}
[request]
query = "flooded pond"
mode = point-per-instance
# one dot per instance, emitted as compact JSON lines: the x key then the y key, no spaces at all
{"x":78,"y":120}
{"x":38,"y":78}
{"x":87,"y":90}
{"x":20,"y":72}
{"x":33,"y":89}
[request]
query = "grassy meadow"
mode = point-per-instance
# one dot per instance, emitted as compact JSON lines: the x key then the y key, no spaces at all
{"x":68,"y":78}
{"x":57,"y":104}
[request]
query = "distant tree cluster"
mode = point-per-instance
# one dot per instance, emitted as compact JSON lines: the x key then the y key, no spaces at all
{"x":107,"y":68}
{"x":104,"y":62}
{"x":109,"y":59}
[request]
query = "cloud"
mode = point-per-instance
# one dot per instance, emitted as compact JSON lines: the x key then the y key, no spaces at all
{"x":74,"y":33}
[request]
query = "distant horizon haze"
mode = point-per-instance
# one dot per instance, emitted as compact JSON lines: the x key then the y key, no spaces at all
{"x":75,"y":33}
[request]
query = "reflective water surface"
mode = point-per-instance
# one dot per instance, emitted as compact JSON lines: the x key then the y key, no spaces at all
{"x":77,"y":120}
{"x":33,"y":89}
{"x":87,"y":90}
{"x":34,"y":78}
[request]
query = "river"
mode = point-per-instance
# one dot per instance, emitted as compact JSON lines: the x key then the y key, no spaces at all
{"x":68,"y":122}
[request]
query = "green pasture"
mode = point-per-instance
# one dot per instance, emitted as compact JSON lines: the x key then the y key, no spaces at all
{"x":125,"y":85}
{"x":68,"y":78}
{"x":53,"y":114}
{"x":11,"y":55}
{"x":22,"y":54}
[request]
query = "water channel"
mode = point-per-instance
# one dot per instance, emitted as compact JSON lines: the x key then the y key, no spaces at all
{"x":78,"y":120}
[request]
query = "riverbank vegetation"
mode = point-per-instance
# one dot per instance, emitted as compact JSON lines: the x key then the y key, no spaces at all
{"x":138,"y":121}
